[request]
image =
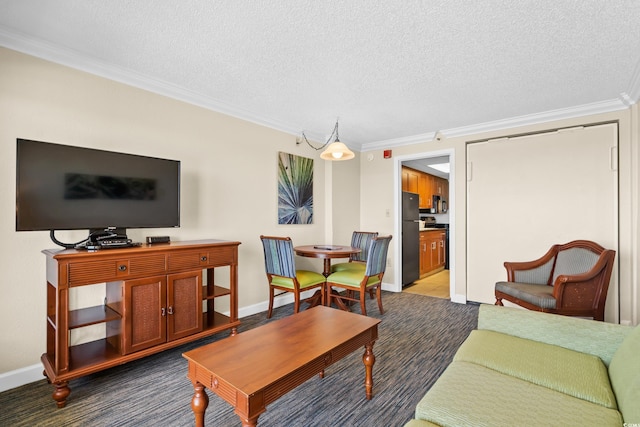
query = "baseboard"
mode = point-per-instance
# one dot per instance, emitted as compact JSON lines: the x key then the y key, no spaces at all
{"x":22,"y":376}
{"x":458,"y":298}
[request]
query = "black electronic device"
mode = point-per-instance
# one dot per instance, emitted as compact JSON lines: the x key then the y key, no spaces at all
{"x":158,"y":239}
{"x":62,"y":187}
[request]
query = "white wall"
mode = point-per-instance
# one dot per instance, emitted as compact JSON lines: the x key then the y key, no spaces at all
{"x":229,"y":188}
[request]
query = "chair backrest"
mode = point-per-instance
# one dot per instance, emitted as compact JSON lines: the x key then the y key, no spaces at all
{"x":279,"y":258}
{"x":362,"y":240}
{"x":574,"y":261}
{"x":377,"y":256}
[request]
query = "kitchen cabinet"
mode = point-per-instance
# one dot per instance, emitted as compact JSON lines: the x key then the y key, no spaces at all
{"x":425,"y":185}
{"x":432,"y":251}
{"x":410,"y":180}
{"x":156,"y":297}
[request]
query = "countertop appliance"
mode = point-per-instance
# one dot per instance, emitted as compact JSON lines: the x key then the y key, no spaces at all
{"x":410,"y":238}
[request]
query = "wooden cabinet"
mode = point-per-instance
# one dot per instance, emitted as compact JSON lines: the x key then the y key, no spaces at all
{"x":432,"y":251}
{"x":155,"y":298}
{"x":410,"y":180}
{"x":425,"y":185}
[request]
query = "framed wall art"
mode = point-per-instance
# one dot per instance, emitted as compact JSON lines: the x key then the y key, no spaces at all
{"x":295,"y":189}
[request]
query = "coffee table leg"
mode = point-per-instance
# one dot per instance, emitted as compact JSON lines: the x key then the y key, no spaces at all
{"x":369,"y":359}
{"x":253,"y":422}
{"x":199,"y":403}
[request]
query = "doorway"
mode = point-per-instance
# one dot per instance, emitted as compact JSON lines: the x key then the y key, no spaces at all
{"x":438,"y":281}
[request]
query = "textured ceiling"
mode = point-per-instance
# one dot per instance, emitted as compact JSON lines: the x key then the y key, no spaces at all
{"x":393,"y":72}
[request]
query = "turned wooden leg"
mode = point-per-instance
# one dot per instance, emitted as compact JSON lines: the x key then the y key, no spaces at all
{"x":369,"y":359}
{"x":499,"y":302}
{"x":61,"y":393}
{"x":199,"y":403}
{"x":249,"y":422}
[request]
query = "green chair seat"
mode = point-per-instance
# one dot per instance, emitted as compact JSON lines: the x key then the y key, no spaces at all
{"x":351,"y":278}
{"x":306,"y":279}
{"x":357,"y":266}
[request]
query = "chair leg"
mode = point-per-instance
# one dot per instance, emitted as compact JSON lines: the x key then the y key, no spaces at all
{"x":363,"y":302}
{"x":499,"y":302}
{"x":296,"y":302}
{"x":270,"y":311}
{"x":379,"y":296}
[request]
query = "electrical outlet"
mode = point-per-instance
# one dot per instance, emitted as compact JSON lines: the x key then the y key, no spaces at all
{"x":389,"y":262}
{"x":388,"y":213}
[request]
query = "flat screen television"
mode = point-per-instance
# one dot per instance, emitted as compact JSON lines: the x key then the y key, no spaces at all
{"x":62,"y":187}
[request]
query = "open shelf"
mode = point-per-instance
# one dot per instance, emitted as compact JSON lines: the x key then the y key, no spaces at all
{"x":91,"y":353}
{"x":214,"y":292}
{"x":91,"y":316}
{"x":215,"y":321}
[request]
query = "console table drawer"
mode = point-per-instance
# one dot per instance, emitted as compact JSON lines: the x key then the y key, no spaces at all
{"x":115,"y":269}
{"x":202,"y":259}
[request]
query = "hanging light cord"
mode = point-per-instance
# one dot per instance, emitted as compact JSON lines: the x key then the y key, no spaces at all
{"x":331,"y":139}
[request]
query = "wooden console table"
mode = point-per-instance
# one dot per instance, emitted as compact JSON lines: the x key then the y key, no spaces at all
{"x":153,"y":301}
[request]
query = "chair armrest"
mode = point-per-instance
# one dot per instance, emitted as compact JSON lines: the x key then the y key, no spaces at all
{"x":586,"y":336}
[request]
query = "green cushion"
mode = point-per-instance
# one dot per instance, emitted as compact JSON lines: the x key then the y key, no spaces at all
{"x":624,"y":372}
{"x":570,"y":372}
{"x":306,"y":279}
{"x":351,"y":278}
{"x":348,"y":266}
{"x":586,"y":336}
{"x":471,"y":395}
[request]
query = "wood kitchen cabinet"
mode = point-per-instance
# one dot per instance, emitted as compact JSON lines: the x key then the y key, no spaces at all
{"x":156,"y":297}
{"x":425,"y":185}
{"x":410,"y":180}
{"x":432,"y":251}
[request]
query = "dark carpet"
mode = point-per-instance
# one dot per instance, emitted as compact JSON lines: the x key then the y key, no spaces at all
{"x":418,"y":337}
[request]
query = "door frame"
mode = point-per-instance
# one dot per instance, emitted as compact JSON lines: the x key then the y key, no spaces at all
{"x":397,"y":196}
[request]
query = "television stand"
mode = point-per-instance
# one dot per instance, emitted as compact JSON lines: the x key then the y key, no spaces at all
{"x":156,"y":297}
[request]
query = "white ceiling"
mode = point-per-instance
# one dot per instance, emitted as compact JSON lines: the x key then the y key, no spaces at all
{"x":393,"y":71}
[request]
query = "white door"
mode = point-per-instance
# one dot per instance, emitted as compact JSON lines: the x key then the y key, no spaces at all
{"x":527,"y":193}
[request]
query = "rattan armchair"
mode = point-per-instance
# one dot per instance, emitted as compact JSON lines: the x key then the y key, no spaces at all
{"x":570,"y":279}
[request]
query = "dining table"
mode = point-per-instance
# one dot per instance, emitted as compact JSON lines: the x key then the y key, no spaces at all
{"x":327,"y":253}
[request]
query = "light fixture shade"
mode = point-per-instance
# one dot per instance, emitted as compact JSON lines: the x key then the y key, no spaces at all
{"x":337,"y":151}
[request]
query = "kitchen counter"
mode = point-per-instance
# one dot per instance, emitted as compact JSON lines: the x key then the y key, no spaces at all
{"x":430,"y":229}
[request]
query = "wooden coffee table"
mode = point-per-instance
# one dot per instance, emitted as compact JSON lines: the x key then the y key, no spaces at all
{"x":252,"y":369}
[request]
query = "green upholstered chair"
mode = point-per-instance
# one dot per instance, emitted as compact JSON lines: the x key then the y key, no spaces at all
{"x":361,"y":281}
{"x":362,"y":240}
{"x":279,"y":261}
{"x":570,"y":279}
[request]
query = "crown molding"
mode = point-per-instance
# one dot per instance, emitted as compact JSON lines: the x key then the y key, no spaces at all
{"x":531,"y":119}
{"x":73,"y":59}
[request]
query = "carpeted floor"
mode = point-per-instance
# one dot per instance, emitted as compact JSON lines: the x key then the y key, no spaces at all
{"x":418,"y":337}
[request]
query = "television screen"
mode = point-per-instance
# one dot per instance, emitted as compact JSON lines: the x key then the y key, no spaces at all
{"x":61,"y":187}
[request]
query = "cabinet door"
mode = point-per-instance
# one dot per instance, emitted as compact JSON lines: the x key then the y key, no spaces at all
{"x":424,"y":254}
{"x":145,"y":313}
{"x":184,"y":304}
{"x":441,"y":250}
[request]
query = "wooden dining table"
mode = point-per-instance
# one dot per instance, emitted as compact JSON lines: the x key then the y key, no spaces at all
{"x":327,"y":253}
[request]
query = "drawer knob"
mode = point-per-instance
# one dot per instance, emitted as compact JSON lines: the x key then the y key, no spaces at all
{"x":203,"y":258}
{"x":122,"y":267}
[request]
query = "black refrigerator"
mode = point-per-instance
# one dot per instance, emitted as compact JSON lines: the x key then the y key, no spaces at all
{"x":410,"y":238}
